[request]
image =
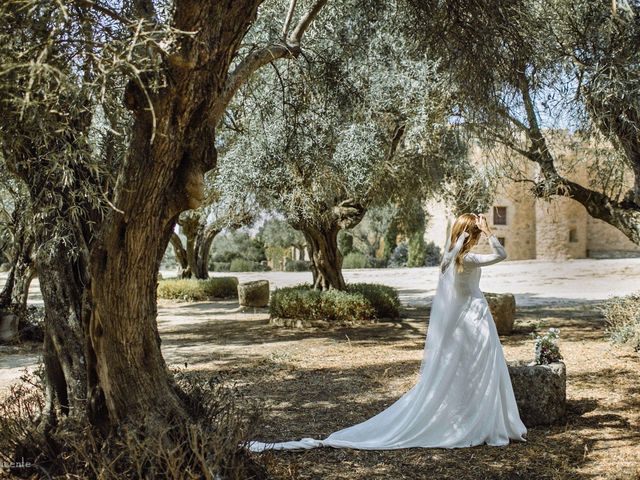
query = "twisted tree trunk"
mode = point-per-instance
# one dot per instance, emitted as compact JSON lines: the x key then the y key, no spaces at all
{"x":15,"y":292}
{"x":194,"y":258}
{"x":326,"y":259}
{"x":163,"y":175}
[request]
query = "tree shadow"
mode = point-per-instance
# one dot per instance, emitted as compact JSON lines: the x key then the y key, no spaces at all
{"x":316,"y":402}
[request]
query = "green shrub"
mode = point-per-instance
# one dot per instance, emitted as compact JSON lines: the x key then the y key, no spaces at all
{"x":361,"y":302}
{"x":416,"y":250}
{"x":623,"y":320}
{"x":191,"y":290}
{"x":296,"y":266}
{"x":355,"y":260}
{"x":433,"y":256}
{"x":306,"y":303}
{"x":383,"y":299}
{"x":399,"y":256}
{"x":242,"y":265}
{"x":221,"y":266}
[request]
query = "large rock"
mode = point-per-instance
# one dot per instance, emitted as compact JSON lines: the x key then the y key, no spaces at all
{"x":541,"y":392}
{"x":8,"y":326}
{"x":503,"y":311}
{"x":254,"y":294}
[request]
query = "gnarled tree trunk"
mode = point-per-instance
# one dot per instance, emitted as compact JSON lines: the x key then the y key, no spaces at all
{"x":16,"y":289}
{"x":71,"y":381}
{"x":163,"y":175}
{"x":322,"y":242}
{"x":194,"y":257}
{"x":326,"y":259}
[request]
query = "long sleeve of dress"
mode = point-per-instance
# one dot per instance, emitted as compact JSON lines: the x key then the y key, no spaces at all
{"x":481,"y":260}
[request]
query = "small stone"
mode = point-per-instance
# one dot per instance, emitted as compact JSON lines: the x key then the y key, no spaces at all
{"x":254,"y":294}
{"x":503,"y":311}
{"x":5,"y":267}
{"x":8,"y":326}
{"x":540,"y":391}
{"x":160,"y":277}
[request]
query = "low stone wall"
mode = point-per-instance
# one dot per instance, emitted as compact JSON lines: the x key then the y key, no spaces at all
{"x":540,"y":392}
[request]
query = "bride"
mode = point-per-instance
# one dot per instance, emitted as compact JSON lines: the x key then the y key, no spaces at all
{"x":464,"y":395}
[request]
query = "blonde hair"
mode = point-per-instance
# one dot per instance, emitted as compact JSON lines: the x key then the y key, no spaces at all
{"x":467,"y":222}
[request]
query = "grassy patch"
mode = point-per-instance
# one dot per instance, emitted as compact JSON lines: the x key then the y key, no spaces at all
{"x":191,"y":290}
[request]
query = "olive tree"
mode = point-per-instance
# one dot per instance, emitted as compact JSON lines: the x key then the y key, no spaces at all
{"x":355,"y":123}
{"x":522,"y":69}
{"x":109,"y":119}
{"x":200,"y":227}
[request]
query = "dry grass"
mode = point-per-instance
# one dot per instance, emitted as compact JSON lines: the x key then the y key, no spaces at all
{"x":314,"y":382}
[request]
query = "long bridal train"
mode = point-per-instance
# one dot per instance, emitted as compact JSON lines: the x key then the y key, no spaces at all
{"x":464,"y":395}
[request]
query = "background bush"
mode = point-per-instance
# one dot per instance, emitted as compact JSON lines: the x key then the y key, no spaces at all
{"x":192,"y":290}
{"x":361,"y":302}
{"x":221,"y":266}
{"x":242,"y":265}
{"x":296,"y":266}
{"x":433,"y":255}
{"x":355,"y":260}
{"x":399,"y":256}
{"x":623,"y":319}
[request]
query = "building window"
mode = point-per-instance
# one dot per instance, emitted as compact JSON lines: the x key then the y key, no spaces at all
{"x":501,"y":240}
{"x":499,"y":215}
{"x":573,"y":235}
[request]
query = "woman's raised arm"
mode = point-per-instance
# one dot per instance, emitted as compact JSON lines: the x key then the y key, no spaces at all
{"x":481,"y":260}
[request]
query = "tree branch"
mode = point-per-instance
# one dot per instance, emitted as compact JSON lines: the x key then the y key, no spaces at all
{"x":289,"y":48}
{"x":289,"y":17}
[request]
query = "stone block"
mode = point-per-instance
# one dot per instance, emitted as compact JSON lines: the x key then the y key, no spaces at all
{"x":540,"y":391}
{"x":8,"y":326}
{"x":503,"y":311}
{"x":254,"y":294}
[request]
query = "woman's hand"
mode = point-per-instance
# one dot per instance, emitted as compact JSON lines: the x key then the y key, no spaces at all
{"x":482,"y":224}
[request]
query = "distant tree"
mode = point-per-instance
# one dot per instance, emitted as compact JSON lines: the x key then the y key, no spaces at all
{"x":17,"y":245}
{"x":368,"y":235}
{"x":238,"y":244}
{"x":276,"y":232}
{"x":200,"y":227}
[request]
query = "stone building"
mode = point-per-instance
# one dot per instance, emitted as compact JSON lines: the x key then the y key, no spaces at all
{"x":532,"y":228}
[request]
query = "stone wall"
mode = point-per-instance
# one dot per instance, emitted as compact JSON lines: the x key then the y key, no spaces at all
{"x":554,"y":229}
{"x":561,"y":231}
{"x":603,"y":241}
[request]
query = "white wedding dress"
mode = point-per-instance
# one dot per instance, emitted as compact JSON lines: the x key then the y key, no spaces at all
{"x":464,"y":395}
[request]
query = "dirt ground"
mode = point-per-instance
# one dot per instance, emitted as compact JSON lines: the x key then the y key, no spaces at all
{"x":311,"y":383}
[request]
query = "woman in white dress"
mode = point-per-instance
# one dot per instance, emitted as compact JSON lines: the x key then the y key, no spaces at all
{"x":464,"y":395}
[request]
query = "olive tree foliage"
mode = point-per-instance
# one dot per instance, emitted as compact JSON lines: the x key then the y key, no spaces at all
{"x":524,"y":69}
{"x":110,"y":112}
{"x":358,"y":121}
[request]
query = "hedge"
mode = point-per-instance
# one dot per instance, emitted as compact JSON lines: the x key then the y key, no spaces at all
{"x":192,"y":290}
{"x":359,"y":303}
